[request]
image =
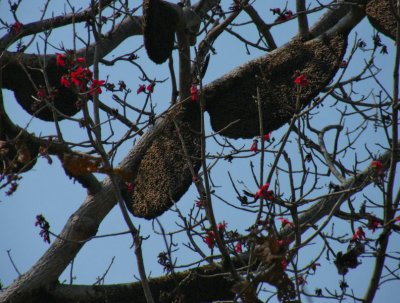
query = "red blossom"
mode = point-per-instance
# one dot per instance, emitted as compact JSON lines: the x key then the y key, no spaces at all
{"x":65,"y":81}
{"x":376,"y":164}
{"x":264,"y":193}
{"x":276,"y":10}
{"x":238,"y":247}
{"x":129,"y":186}
{"x":284,"y":242}
{"x":286,"y":15}
{"x":301,"y":80}
{"x":210,"y":239}
{"x":267,"y":137}
{"x":80,"y":60}
{"x":359,"y":234}
{"x":397,"y":219}
{"x":96,"y":86}
{"x":141,"y":89}
{"x":194,"y":91}
{"x":150,"y":87}
{"x":16,"y":28}
{"x":254,"y":146}
{"x":284,"y":263}
{"x":80,"y":77}
{"x":194,"y":178}
{"x":60,"y":59}
{"x":285,"y":222}
{"x":200,"y":203}
{"x":41,"y":93}
{"x":373,"y":223}
{"x":222,"y":226}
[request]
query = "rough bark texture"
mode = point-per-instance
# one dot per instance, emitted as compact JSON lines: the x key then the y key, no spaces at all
{"x":382,"y":17}
{"x":186,"y":286}
{"x":231,"y":97}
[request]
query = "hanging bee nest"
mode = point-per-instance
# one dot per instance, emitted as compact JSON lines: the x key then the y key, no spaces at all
{"x":231,"y":99}
{"x":160,"y":22}
{"x":382,"y":17}
{"x":163,"y":174}
{"x":16,"y":156}
{"x":16,"y":78}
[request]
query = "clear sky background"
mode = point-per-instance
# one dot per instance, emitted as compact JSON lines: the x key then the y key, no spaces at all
{"x":45,"y":189}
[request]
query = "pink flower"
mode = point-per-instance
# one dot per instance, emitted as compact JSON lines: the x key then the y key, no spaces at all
{"x":254,"y":146}
{"x":301,"y":80}
{"x":60,"y":59}
{"x":376,"y":164}
{"x":285,"y":222}
{"x":238,"y":247}
{"x":141,"y":89}
{"x":359,"y":234}
{"x":194,"y":92}
{"x":96,"y":86}
{"x":264,"y":193}
{"x":200,"y":203}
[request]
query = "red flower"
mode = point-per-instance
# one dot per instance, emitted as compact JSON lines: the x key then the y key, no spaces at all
{"x":80,"y":77}
{"x":254,"y":147}
{"x":373,"y":223}
{"x":210,"y":239}
{"x":286,"y":222}
{"x":16,"y":28}
{"x":301,"y":80}
{"x":60,"y":59}
{"x":65,"y":81}
{"x":80,"y":60}
{"x":129,"y":186}
{"x":150,"y":87}
{"x":284,"y":263}
{"x":264,"y":193}
{"x":286,"y":15}
{"x":96,"y":86}
{"x":41,"y":93}
{"x":238,"y":247}
{"x":222,"y":226}
{"x":376,"y":164}
{"x":141,"y":89}
{"x":284,"y":242}
{"x":194,"y":92}
{"x":194,"y":178}
{"x":359,"y":234}
{"x":267,"y":137}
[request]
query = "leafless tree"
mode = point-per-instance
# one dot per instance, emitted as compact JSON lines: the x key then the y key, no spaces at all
{"x":309,"y":173}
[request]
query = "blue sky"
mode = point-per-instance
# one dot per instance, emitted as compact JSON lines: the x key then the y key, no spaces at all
{"x":46,"y":190}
